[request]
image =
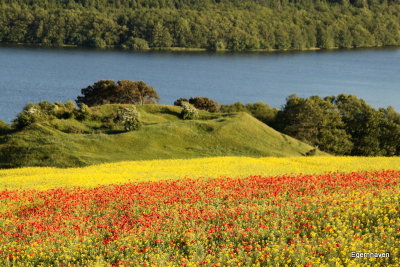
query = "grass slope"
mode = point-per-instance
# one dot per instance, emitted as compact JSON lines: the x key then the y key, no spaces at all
{"x":68,"y":143}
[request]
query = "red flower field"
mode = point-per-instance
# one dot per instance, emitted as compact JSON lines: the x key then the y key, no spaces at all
{"x":296,"y":220}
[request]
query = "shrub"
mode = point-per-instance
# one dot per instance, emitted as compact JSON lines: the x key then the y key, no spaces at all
{"x":64,"y":111}
{"x":46,"y":108}
{"x":311,"y":152}
{"x":236,"y":107}
{"x":130,"y":118}
{"x":204,"y":103}
{"x":4,"y":127}
{"x":189,"y":112}
{"x":84,"y":113}
{"x":110,"y":122}
{"x":70,"y":106}
{"x":31,"y":113}
{"x":43,"y":111}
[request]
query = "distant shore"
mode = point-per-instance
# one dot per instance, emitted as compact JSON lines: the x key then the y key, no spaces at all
{"x":187,"y":49}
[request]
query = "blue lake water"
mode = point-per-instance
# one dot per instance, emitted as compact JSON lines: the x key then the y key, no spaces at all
{"x":35,"y":74}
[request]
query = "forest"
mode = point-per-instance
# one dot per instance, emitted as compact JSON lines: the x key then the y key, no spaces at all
{"x":201,"y":24}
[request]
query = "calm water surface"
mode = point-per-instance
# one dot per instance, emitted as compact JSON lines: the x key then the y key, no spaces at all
{"x":35,"y":74}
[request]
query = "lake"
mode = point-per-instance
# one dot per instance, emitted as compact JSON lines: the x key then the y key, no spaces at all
{"x":35,"y":74}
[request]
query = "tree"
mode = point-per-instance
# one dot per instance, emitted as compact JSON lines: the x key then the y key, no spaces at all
{"x":161,"y":36}
{"x":179,"y":101}
{"x":137,"y":92}
{"x":204,"y":103}
{"x":315,"y":121}
{"x":122,"y":92}
{"x":262,"y":112}
{"x":100,"y":93}
{"x":136,"y":44}
{"x":363,"y":123}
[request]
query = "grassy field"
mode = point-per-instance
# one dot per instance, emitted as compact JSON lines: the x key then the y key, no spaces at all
{"x":155,"y":170}
{"x":72,"y":143}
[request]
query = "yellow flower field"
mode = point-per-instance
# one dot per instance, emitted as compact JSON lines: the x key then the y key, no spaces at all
{"x":152,"y":170}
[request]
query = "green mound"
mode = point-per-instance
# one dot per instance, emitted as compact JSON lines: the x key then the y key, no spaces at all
{"x":69,"y":142}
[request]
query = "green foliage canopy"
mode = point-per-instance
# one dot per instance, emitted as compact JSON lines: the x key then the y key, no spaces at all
{"x":207,"y":24}
{"x":122,"y":92}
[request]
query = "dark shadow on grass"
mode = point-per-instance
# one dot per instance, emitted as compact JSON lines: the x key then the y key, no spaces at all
{"x":170,"y":112}
{"x":111,"y":132}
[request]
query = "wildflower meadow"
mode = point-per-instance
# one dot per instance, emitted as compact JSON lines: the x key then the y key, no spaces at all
{"x":316,"y":219}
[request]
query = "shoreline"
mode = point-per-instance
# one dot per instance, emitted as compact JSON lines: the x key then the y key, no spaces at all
{"x":190,"y":49}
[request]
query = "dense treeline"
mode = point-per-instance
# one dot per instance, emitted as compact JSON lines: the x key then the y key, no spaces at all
{"x":191,"y":4}
{"x":213,"y":25}
{"x":341,"y":125}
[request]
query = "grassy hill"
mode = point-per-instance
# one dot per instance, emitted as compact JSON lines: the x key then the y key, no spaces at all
{"x":69,"y":142}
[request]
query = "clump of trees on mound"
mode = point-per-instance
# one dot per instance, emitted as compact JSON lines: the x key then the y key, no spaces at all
{"x":341,"y":125}
{"x":207,"y":24}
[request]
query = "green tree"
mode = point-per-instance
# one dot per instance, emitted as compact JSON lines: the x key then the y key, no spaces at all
{"x":315,"y":121}
{"x":324,"y":37}
{"x":362,"y":123}
{"x":161,"y":36}
{"x":137,"y":92}
{"x":182,"y":32}
{"x":204,"y":103}
{"x":123,"y":92}
{"x":361,"y":36}
{"x":262,"y":112}
{"x":282,"y":38}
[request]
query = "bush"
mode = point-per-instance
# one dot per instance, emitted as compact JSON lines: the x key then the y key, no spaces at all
{"x":84,"y":113}
{"x":4,"y":128}
{"x":32,"y":113}
{"x":130,"y":118}
{"x":64,"y":111}
{"x":43,"y":111}
{"x":189,"y":112}
{"x":311,"y":152}
{"x":236,"y":107}
{"x":110,"y":122}
{"x":204,"y":103}
{"x":259,"y":110}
